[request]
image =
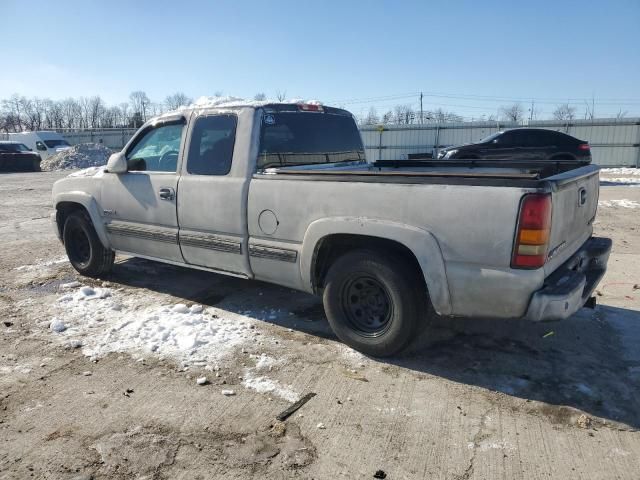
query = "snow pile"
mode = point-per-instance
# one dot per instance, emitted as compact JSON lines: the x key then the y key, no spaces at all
{"x":83,"y":155}
{"x":104,"y":322}
{"x":624,"y":203}
{"x":620,"y":171}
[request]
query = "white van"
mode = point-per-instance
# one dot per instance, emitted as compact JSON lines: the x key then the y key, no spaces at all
{"x":44,"y":143}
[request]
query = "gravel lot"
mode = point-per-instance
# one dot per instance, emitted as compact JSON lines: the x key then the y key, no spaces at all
{"x":474,"y":400}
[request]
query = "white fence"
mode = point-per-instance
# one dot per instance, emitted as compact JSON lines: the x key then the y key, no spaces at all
{"x":614,"y":142}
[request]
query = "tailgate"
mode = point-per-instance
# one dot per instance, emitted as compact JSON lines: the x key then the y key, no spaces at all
{"x":574,"y":204}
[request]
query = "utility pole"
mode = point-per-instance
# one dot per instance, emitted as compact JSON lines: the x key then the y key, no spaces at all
{"x":531,"y":111}
{"x":421,"y":113}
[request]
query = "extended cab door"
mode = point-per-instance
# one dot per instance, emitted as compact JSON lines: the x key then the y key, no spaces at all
{"x":213,"y":192}
{"x":139,"y":206}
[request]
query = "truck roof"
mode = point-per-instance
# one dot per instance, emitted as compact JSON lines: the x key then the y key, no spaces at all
{"x":233,"y":103}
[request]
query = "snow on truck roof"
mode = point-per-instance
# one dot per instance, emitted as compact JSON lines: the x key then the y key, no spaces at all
{"x":204,"y":103}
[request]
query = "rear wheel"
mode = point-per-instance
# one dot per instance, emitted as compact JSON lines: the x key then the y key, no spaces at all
{"x":374,"y":301}
{"x":84,"y":249}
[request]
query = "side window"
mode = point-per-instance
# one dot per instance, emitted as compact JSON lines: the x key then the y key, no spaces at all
{"x":506,"y":139}
{"x":157,"y":150}
{"x":41,"y":146}
{"x":211,"y":147}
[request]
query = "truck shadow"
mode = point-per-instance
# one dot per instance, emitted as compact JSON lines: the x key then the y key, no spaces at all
{"x":581,"y":362}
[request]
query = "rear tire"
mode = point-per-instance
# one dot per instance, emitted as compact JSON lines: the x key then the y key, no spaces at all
{"x":374,"y":301}
{"x":84,"y":249}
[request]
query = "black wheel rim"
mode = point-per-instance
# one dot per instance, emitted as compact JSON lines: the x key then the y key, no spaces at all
{"x":367,"y":305}
{"x":79,"y":246}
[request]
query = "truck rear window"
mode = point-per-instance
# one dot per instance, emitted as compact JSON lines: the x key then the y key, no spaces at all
{"x":308,"y":138}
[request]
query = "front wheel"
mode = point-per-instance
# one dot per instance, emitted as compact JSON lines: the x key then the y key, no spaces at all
{"x":374,"y":301}
{"x":84,"y":249}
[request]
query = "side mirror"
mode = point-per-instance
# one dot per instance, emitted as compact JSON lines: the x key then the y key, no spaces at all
{"x":117,"y":163}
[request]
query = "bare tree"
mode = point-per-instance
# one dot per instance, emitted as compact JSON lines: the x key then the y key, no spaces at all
{"x":404,"y":114}
{"x":443,"y":116}
{"x":140,"y":103}
{"x":621,"y":114}
{"x":260,"y":97}
{"x":177,"y":100}
{"x":281,"y":95}
{"x":387,"y":117}
{"x":372,"y":117}
{"x":512,"y":113}
{"x":564,"y":112}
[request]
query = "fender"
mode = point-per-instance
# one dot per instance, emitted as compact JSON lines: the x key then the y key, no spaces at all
{"x":90,"y":204}
{"x":420,"y":242}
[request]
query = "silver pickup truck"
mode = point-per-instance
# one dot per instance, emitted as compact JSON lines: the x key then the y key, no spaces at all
{"x":283,"y":193}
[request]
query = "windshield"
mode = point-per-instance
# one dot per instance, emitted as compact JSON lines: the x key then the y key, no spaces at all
{"x":308,"y":138}
{"x":56,"y":143}
{"x":491,"y":137}
{"x":13,"y":147}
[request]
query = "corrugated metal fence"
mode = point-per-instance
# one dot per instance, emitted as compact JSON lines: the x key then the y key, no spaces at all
{"x":614,"y":142}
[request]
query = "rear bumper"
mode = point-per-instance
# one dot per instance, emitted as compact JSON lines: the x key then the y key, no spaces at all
{"x":567,"y":289}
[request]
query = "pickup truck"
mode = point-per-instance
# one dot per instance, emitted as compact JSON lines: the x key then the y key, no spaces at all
{"x":283,"y":193}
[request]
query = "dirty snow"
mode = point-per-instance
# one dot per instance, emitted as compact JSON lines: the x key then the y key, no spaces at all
{"x":255,"y":379}
{"x":41,"y":264}
{"x":629,"y":181}
{"x":620,"y":171}
{"x":83,"y":155}
{"x":623,"y":203}
{"x":103,"y":320}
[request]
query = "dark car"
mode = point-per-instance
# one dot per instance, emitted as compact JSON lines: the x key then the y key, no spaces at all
{"x":523,"y":144}
{"x":17,"y":157}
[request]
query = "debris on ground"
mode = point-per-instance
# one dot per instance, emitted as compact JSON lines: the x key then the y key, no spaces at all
{"x":321,"y":426}
{"x":278,"y":429}
{"x":380,"y":474}
{"x":293,"y":408}
{"x":584,"y":421}
{"x":549,"y":334}
{"x":8,"y":324}
{"x":228,"y":393}
{"x":128,"y":392}
{"x":87,"y":373}
{"x":83,"y":155}
{"x":201,"y":381}
{"x":57,"y":325}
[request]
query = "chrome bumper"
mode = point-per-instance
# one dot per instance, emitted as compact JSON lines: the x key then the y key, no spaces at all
{"x":567,"y":289}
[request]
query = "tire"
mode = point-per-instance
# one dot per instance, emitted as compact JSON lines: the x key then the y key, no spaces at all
{"x":373,"y":302}
{"x":84,"y":249}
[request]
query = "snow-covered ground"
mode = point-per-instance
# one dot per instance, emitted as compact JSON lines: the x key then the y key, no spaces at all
{"x":623,"y":203}
{"x":620,"y":171}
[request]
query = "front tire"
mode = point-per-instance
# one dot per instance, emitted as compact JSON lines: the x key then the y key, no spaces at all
{"x":84,"y":249}
{"x":374,"y":301}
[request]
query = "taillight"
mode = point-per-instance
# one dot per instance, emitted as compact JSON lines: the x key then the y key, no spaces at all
{"x":534,"y":227}
{"x":310,"y":107}
{"x":584,"y":146}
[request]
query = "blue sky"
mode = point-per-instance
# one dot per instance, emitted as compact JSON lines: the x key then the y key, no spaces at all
{"x":462,"y":54}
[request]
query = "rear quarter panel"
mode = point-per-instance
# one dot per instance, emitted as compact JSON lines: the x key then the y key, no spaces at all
{"x":473,"y":227}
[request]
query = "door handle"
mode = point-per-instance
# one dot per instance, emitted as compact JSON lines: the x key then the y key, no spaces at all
{"x":167,"y":193}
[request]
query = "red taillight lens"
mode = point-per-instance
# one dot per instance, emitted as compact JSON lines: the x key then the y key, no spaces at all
{"x":532,"y":237}
{"x":310,"y":107}
{"x":584,"y":146}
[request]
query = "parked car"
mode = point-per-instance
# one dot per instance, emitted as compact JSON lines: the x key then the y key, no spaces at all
{"x":283,"y":193}
{"x":523,"y":144}
{"x":45,"y":143}
{"x":17,"y":157}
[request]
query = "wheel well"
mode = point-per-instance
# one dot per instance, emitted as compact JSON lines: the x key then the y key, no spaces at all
{"x":334,"y":246}
{"x":63,"y":210}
